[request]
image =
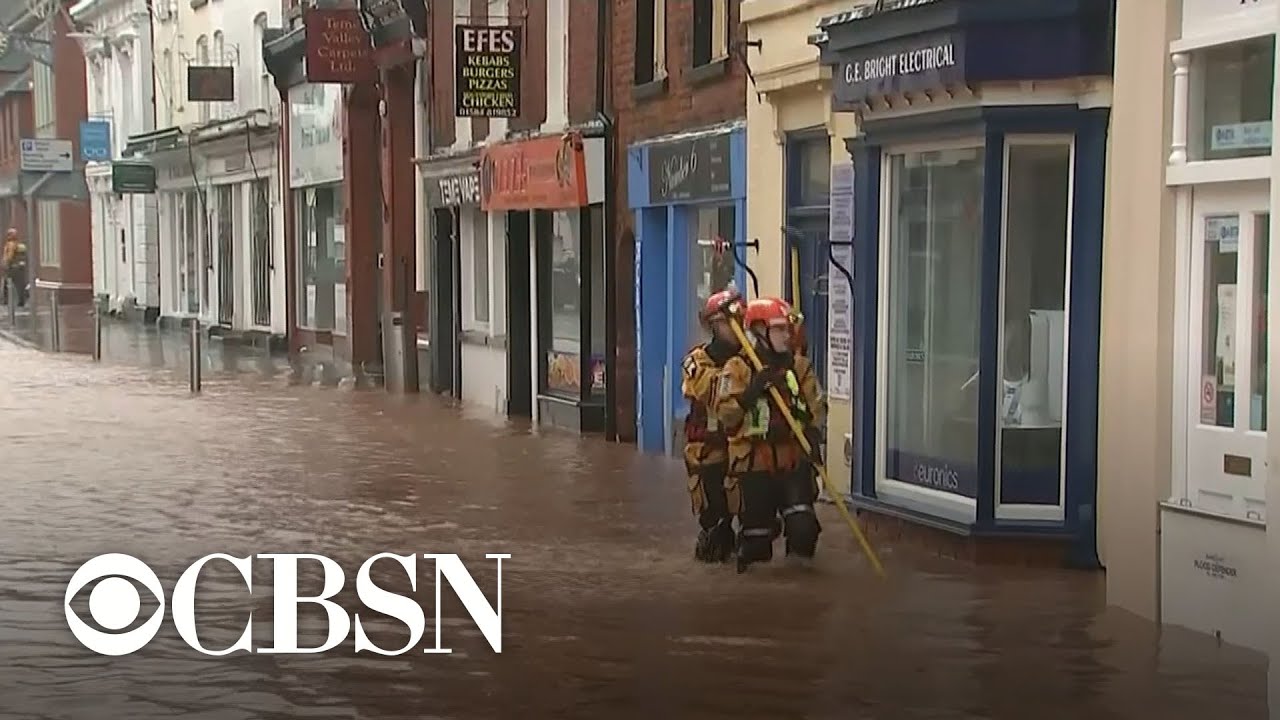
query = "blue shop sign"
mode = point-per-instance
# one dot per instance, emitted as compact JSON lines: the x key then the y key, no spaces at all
{"x":916,"y":65}
{"x":95,"y":140}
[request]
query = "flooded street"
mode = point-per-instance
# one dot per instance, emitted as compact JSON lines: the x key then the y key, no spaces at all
{"x":605,"y":613}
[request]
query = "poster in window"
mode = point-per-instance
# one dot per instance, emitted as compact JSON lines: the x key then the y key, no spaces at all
{"x":1226,"y":341}
{"x":839,"y":294}
{"x":487,"y":69}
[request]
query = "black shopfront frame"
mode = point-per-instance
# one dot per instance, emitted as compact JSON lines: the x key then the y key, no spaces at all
{"x":584,"y":411}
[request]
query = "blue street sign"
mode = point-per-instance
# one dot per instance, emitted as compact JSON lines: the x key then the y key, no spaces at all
{"x":95,"y":140}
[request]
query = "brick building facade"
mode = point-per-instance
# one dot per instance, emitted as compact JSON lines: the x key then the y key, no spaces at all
{"x":513,"y":257}
{"x":675,"y":71}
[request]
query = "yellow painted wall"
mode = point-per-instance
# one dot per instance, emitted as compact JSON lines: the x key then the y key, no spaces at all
{"x":1135,"y":383}
{"x":796,"y":96}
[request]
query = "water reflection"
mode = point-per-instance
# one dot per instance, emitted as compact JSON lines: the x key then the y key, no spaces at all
{"x":605,"y":612}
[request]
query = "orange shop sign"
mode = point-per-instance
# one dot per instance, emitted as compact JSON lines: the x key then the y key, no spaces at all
{"x":337,"y":46}
{"x":546,"y":173}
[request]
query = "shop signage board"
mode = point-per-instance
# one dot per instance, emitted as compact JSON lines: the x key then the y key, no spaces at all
{"x":386,"y":21}
{"x":95,"y":140}
{"x":211,"y":83}
{"x":544,"y":173}
{"x":691,"y":170}
{"x":915,"y":65}
{"x":487,"y":71}
{"x":839,"y":294}
{"x":133,"y":178}
{"x":453,"y":189}
{"x":337,"y":47}
{"x":46,"y":155}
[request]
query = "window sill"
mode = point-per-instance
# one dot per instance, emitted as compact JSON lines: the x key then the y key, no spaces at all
{"x":709,"y":73}
{"x":484,"y":339}
{"x":650,"y":90}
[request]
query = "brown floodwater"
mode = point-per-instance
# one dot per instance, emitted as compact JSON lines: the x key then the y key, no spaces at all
{"x":605,"y":613}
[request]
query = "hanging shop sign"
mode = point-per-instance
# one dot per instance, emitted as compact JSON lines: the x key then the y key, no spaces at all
{"x":487,"y":71}
{"x":886,"y":69}
{"x":337,"y":47}
{"x":545,"y":173}
{"x":211,"y":83}
{"x":386,"y":21}
{"x":690,"y":170}
{"x":133,"y":178}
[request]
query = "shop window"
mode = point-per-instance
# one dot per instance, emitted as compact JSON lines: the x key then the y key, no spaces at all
{"x":711,"y":267}
{"x":475,"y":233}
{"x":560,"y":285}
{"x":811,"y":172}
{"x":1033,"y":335}
{"x":710,"y":31}
{"x":321,"y":257}
{"x":1217,"y":347}
{"x":1258,"y":353}
{"x":931,"y":338}
{"x":189,"y":249}
{"x":1233,"y":83}
{"x":651,"y":41}
{"x":50,"y":234}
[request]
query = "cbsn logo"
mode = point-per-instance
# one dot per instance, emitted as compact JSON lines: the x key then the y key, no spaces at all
{"x":114,"y":603}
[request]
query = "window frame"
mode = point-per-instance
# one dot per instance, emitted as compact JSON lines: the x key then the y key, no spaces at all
{"x":711,"y":29}
{"x":943,"y":504}
{"x":650,"y":53}
{"x":1022,"y":511}
{"x":472,"y":220}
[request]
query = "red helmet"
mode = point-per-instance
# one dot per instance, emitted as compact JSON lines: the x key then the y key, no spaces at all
{"x":770,"y":311}
{"x":718,"y":304}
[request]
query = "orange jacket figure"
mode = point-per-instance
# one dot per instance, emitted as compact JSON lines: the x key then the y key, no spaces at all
{"x":769,"y":471}
{"x":705,"y":448}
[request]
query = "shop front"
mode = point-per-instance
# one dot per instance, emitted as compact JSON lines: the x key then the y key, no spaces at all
{"x":1214,"y":566}
{"x":467,"y":343}
{"x":978,"y":192}
{"x":548,"y":194}
{"x":688,"y":194}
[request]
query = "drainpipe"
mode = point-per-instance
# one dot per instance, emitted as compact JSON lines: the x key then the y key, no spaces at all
{"x":603,"y":8}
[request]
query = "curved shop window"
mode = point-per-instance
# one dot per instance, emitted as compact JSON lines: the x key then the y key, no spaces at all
{"x":564,"y":321}
{"x":932,"y":309}
{"x":322,"y":265}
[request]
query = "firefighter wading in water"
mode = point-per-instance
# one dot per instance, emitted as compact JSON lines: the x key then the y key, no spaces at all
{"x":705,"y":448}
{"x":769,"y":472}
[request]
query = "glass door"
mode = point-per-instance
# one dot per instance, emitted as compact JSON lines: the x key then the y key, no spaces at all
{"x":1226,"y":350}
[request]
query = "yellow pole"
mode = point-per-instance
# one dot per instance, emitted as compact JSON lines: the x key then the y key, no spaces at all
{"x":804,"y":443}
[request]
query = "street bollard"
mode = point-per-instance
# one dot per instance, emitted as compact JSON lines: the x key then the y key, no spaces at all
{"x":97,"y":335}
{"x":196,"y":367}
{"x":56,"y":325}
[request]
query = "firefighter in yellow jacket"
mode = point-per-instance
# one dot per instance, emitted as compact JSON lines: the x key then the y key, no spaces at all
{"x":705,"y":447}
{"x":770,"y":474}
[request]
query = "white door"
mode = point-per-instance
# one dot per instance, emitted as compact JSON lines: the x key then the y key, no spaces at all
{"x":1226,"y":349}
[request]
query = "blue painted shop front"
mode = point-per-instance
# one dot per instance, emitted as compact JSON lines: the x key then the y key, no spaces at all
{"x":688,"y":193}
{"x":977,"y":248}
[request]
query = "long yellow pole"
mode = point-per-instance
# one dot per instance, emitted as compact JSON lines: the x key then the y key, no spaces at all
{"x":835,"y":494}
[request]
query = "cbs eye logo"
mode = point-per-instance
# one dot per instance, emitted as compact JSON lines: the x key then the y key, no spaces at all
{"x":114,"y":604}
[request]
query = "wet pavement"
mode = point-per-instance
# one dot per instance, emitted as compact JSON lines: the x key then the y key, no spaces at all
{"x":605,"y":614}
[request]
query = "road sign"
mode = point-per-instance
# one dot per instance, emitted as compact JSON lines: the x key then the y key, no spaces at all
{"x":46,"y":155}
{"x":95,"y":140}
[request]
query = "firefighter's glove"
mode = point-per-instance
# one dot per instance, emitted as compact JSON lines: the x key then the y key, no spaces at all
{"x":814,"y":437}
{"x":759,"y":385}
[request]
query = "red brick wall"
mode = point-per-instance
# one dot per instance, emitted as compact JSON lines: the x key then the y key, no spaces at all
{"x":684,"y":105}
{"x":532,"y":15}
{"x":583,"y":66}
{"x":441,"y":43}
{"x":72,"y":106}
{"x":16,"y":122}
